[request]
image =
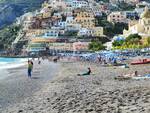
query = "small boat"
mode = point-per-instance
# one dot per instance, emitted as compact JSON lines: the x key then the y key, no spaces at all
{"x":140,"y":61}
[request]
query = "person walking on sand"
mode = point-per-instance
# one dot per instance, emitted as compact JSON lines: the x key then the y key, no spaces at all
{"x":39,"y":62}
{"x":30,"y":68}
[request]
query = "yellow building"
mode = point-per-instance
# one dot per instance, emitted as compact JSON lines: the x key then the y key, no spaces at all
{"x":46,"y":12}
{"x":86,"y":19}
{"x":45,"y":4}
{"x":142,"y":27}
{"x":98,"y":31}
{"x":61,"y":46}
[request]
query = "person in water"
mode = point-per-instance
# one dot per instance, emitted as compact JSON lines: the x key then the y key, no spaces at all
{"x":87,"y":73}
{"x":30,"y":68}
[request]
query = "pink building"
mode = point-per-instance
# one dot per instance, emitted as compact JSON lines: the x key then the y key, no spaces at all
{"x":77,"y":46}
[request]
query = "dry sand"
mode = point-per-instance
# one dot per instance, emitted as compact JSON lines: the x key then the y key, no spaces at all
{"x":97,"y":93}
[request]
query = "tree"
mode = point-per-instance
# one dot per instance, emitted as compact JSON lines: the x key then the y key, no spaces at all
{"x":133,"y":36}
{"x":125,"y":6}
{"x":118,"y":43}
{"x":148,"y":40}
{"x":96,"y":46}
{"x":63,"y":17}
{"x":119,"y":27}
{"x":8,"y":35}
{"x":112,"y":29}
{"x":71,"y":33}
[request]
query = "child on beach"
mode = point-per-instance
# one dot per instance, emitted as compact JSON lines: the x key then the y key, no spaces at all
{"x":30,"y":68}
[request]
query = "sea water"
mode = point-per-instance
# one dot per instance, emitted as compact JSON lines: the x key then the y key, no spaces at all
{"x":6,"y":63}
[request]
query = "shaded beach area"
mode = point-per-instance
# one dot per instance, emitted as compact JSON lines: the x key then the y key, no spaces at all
{"x":65,"y":92}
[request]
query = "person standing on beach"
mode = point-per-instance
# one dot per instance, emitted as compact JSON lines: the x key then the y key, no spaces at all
{"x":30,"y":68}
{"x":39,"y":62}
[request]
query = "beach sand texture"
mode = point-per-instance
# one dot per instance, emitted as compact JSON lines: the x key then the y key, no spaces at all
{"x":97,"y":93}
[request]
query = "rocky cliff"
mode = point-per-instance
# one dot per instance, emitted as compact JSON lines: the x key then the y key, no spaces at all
{"x":10,"y":9}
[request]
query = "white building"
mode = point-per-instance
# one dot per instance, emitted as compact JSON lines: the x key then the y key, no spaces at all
{"x":96,"y":10}
{"x":139,"y":10}
{"x":62,"y":25}
{"x":73,"y":27}
{"x":51,"y":33}
{"x":57,"y":3}
{"x":85,"y":32}
{"x":77,"y":3}
{"x":69,"y":20}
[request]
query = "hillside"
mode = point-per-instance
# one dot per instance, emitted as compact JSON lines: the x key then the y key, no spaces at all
{"x":10,"y":9}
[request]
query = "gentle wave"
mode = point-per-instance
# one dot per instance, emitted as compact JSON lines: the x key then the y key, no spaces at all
{"x":7,"y":63}
{"x":2,"y":63}
{"x":12,"y":65}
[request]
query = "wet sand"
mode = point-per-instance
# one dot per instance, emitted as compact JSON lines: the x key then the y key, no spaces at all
{"x":17,"y":86}
{"x":97,"y":93}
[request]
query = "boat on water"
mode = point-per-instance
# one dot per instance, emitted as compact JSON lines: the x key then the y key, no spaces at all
{"x":141,"y":61}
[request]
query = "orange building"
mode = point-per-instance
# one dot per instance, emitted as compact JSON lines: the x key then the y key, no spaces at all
{"x":86,"y":19}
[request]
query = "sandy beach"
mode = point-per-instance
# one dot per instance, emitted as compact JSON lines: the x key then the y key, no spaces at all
{"x":65,"y":92}
{"x":16,"y":86}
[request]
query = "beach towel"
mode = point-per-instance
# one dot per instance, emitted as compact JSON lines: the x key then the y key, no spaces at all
{"x":139,"y":78}
{"x":142,"y":77}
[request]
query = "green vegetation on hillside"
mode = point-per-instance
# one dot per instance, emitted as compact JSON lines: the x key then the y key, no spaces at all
{"x":133,"y":41}
{"x":11,"y":9}
{"x":125,"y":6}
{"x":8,"y":35}
{"x":96,"y":46}
{"x":110,"y":29}
{"x":105,"y":1}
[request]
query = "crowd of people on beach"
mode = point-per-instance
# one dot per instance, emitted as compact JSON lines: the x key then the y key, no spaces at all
{"x":103,"y":59}
{"x":55,"y":60}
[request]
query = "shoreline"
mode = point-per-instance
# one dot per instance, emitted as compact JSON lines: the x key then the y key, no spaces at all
{"x":97,"y":93}
{"x":17,"y":86}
